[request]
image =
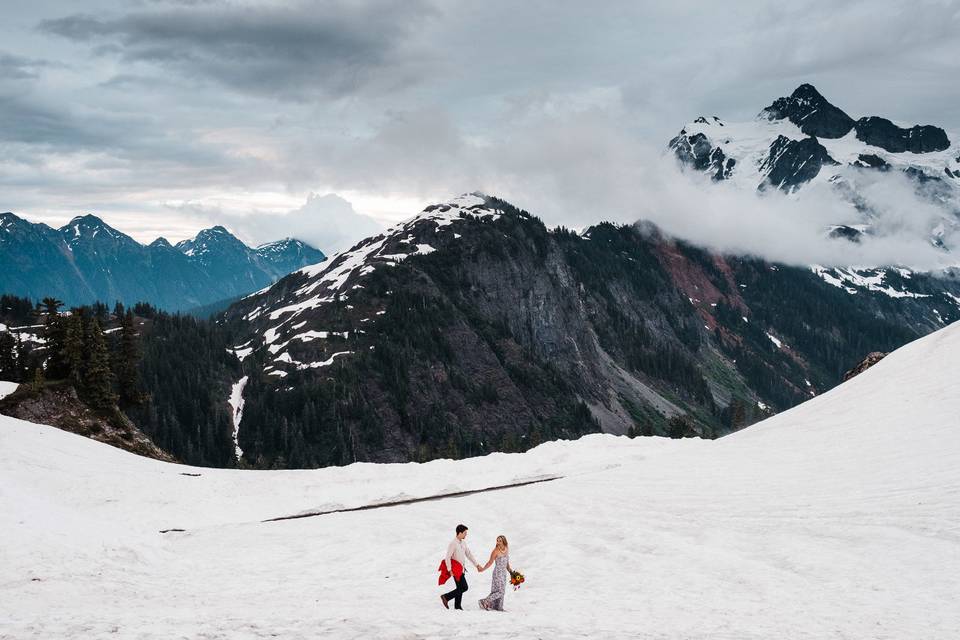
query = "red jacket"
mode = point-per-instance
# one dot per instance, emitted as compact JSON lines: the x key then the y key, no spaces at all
{"x":445,"y":574}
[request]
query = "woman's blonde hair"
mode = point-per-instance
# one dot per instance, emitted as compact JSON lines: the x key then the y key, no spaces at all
{"x":503,"y":540}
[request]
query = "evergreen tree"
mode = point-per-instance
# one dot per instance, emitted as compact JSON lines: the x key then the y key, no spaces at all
{"x":97,"y":378}
{"x":38,"y":380}
{"x":127,"y":360}
{"x":24,"y":359}
{"x":100,"y":312}
{"x":54,"y":334}
{"x":8,"y":359}
{"x":73,"y":348}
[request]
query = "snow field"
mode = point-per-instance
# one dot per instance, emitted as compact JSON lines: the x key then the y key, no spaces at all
{"x":838,"y":518}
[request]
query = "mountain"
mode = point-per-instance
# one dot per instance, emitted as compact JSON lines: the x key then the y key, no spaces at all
{"x":803,"y":138}
{"x":472,"y":328}
{"x":87,"y":260}
{"x":803,"y":142}
{"x":834,"y":519}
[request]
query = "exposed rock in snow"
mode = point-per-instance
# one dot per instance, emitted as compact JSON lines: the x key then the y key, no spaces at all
{"x":866,"y":363}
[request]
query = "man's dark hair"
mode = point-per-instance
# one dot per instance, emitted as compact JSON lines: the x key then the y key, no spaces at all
{"x":461,"y":528}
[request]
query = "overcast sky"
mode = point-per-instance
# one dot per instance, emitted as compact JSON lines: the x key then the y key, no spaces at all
{"x":164,"y":117}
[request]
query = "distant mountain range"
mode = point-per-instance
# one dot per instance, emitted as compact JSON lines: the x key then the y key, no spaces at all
{"x":88,"y":260}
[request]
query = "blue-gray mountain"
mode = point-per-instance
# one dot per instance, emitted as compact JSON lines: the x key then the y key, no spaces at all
{"x":87,"y":260}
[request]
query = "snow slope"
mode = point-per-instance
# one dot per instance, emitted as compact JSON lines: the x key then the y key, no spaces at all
{"x":837,"y":519}
{"x":6,"y":388}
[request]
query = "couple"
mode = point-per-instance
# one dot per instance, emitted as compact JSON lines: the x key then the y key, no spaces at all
{"x":454,"y":564}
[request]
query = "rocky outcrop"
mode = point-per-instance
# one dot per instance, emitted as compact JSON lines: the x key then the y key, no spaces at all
{"x":882,"y":133}
{"x":810,"y":111}
{"x":792,"y":163}
{"x":871,"y":161}
{"x":696,"y":152}
{"x":59,"y":406}
{"x":866,"y":363}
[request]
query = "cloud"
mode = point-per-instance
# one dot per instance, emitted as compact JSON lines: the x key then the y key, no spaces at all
{"x":563,"y":108}
{"x":582,"y":164}
{"x":288,"y":52}
{"x":793,"y":229}
{"x":14,"y":67}
{"x":327,"y":222}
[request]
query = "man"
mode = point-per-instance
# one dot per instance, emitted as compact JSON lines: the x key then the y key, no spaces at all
{"x":455,"y":563}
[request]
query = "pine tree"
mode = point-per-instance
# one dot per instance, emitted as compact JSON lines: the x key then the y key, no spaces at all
{"x":73,"y":347}
{"x":24,"y":352}
{"x":98,"y":379}
{"x":8,"y":358}
{"x":37,"y":382}
{"x":54,"y":334}
{"x":128,"y":358}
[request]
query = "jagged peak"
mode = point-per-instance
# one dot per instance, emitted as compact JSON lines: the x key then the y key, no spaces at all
{"x":416,"y":235}
{"x":712,"y":120}
{"x":89,"y":224}
{"x":808,"y":109}
{"x":87,"y":219}
{"x":161,"y":242}
{"x":212,"y":235}
{"x":217,"y":232}
{"x":280,"y":243}
{"x":807,"y":91}
{"x":8,"y":219}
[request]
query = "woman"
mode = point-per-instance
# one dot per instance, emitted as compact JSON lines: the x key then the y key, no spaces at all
{"x":500,"y":557}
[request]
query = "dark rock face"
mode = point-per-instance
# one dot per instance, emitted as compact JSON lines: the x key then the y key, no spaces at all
{"x":871,"y":359}
{"x":712,"y":120}
{"x":810,"y":111}
{"x":882,"y":133}
{"x":920,"y":176}
{"x":87,"y":260}
{"x":792,"y":163}
{"x":871,"y":161}
{"x":696,"y":151}
{"x":847,"y":233}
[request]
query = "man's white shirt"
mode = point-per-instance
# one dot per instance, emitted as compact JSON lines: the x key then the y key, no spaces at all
{"x":459,"y":551}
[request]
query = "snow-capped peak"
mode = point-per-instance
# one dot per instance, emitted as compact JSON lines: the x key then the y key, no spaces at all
{"x":210,"y":239}
{"x":88,"y":227}
{"x":285,"y":312}
{"x":384,"y":248}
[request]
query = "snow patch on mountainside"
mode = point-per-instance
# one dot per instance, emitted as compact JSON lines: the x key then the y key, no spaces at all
{"x":852,"y":278}
{"x":342,"y":274}
{"x":236,"y":404}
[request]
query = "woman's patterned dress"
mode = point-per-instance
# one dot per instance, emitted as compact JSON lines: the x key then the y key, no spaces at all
{"x":494,"y":601}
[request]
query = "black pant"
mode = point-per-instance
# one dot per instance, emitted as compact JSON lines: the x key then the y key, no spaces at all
{"x":457,"y":594}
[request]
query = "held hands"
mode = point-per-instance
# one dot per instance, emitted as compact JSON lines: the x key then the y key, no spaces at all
{"x":479,"y":569}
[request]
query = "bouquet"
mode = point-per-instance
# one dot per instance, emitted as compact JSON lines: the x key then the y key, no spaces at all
{"x":516,"y":579}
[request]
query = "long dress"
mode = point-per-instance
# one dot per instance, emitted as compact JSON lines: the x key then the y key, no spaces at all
{"x":498,"y":585}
